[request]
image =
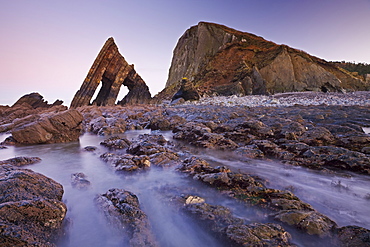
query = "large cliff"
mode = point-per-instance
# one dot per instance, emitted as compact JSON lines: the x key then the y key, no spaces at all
{"x":223,"y":61}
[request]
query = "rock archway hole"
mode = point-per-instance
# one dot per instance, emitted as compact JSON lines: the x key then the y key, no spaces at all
{"x":95,"y":95}
{"x":122,"y":93}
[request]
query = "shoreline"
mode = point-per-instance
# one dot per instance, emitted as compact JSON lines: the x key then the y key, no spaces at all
{"x":361,"y":98}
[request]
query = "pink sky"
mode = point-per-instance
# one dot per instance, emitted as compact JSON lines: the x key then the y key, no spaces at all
{"x":48,"y":46}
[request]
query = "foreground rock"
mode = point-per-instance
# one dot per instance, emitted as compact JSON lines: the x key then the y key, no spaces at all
{"x":123,"y":211}
{"x":219,"y":220}
{"x":64,"y":126}
{"x":31,"y":210}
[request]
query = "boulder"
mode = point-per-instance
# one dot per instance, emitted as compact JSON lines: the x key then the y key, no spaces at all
{"x":231,"y":229}
{"x":353,"y":236}
{"x":126,"y":162}
{"x":31,"y":210}
{"x":21,"y":161}
{"x":122,"y":209}
{"x":116,"y":142}
{"x":79,"y":180}
{"x":50,"y":128}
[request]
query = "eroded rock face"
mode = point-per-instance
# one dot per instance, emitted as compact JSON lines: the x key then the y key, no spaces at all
{"x":223,"y":61}
{"x":111,"y":69}
{"x":31,"y":210}
{"x":64,"y":126}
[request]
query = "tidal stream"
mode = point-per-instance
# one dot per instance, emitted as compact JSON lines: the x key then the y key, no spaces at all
{"x":342,"y":196}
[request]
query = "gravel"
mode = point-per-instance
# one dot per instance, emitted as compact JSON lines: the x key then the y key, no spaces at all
{"x":361,"y":98}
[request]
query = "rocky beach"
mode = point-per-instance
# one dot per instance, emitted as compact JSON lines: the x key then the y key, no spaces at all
{"x":323,"y":132}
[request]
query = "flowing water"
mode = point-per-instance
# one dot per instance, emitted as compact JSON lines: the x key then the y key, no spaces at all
{"x":343,"y":197}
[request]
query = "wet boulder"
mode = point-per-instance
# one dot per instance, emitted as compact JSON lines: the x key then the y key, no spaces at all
{"x":31,"y":210}
{"x":79,"y":180}
{"x":90,"y":148}
{"x":116,"y":142}
{"x":271,"y":149}
{"x":164,"y":159}
{"x":200,"y":135}
{"x":310,"y":222}
{"x":156,"y":147}
{"x":122,"y":209}
{"x":21,"y":161}
{"x":107,"y":126}
{"x":190,"y":131}
{"x":231,"y":229}
{"x":126,"y":162}
{"x":317,"y":136}
{"x":64,"y":126}
{"x":255,"y":127}
{"x":148,"y":145}
{"x":353,"y":236}
{"x":160,"y":123}
{"x":249,"y":152}
{"x":334,"y":158}
{"x":292,"y":130}
{"x":259,"y":234}
{"x":215,"y":141}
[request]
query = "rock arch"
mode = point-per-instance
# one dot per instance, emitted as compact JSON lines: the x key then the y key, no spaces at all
{"x":112,"y":71}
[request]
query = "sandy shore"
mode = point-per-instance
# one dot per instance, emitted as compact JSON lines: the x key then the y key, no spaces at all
{"x":289,"y":99}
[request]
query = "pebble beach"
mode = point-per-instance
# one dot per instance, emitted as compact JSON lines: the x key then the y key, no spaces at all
{"x":361,"y":98}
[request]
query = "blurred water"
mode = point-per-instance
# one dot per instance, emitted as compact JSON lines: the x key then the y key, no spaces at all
{"x":343,"y":197}
{"x":88,"y":227}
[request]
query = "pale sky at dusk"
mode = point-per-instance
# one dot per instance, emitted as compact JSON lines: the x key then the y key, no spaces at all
{"x":48,"y":46}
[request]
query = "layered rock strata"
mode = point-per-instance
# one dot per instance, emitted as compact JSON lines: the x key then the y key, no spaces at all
{"x":223,"y":61}
{"x":31,"y":210}
{"x":112,"y":71}
{"x":63,"y":126}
